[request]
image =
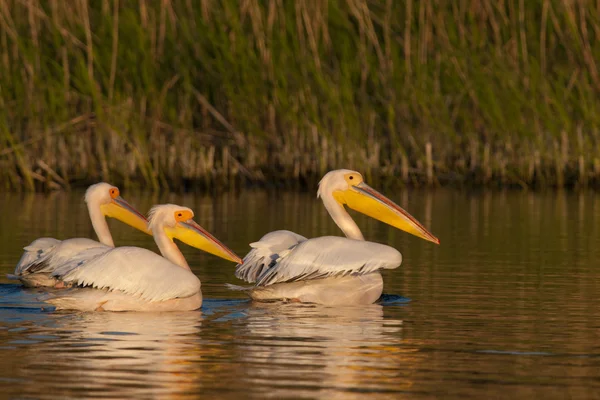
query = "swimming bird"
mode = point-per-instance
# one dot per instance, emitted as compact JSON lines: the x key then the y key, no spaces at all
{"x":329,"y":270}
{"x":45,"y":254}
{"x":137,"y":279}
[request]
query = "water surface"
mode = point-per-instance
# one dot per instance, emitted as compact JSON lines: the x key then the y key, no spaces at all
{"x":505,"y":307}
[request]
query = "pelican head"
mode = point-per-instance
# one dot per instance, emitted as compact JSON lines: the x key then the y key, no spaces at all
{"x":108,"y":200}
{"x":348,"y":188}
{"x":176,"y":221}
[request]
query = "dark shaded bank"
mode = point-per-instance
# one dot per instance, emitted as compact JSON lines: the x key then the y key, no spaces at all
{"x":172,"y":94}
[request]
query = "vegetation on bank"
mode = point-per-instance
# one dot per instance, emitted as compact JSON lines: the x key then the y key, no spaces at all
{"x":165,"y":93}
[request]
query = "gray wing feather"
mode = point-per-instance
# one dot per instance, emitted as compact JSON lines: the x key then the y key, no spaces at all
{"x":265,"y":252}
{"x":37,"y":252}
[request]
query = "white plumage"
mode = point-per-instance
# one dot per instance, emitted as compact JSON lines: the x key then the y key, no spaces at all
{"x":131,"y":270}
{"x":329,"y":256}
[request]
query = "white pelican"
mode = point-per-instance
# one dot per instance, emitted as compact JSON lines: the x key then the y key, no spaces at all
{"x":136,"y":279}
{"x":329,"y":270}
{"x":103,"y":200}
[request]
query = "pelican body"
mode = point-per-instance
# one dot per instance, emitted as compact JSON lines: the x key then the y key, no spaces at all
{"x":329,"y":270}
{"x":136,"y":279}
{"x":45,"y":254}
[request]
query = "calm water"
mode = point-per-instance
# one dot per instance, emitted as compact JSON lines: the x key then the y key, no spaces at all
{"x":505,"y":307}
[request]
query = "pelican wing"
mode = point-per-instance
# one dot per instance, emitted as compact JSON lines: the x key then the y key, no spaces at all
{"x":39,"y":250}
{"x":264,"y":252}
{"x":44,"y":255}
{"x":329,"y":256}
{"x":132,"y":270}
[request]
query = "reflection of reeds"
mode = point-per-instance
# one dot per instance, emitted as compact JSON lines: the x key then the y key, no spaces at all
{"x":160,"y":93}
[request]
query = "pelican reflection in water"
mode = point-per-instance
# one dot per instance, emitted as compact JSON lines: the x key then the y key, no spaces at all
{"x":263,"y":349}
{"x":116,"y":355}
{"x":323,"y":349}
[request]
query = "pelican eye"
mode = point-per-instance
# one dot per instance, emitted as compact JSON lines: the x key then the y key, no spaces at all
{"x":353,"y":179}
{"x":114,"y":193}
{"x":183,"y":215}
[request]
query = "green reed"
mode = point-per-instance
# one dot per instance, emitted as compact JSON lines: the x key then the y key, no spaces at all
{"x":169,"y":93}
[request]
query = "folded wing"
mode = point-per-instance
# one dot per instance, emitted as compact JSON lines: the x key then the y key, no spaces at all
{"x":44,"y":254}
{"x":328,"y":256}
{"x":132,"y":270}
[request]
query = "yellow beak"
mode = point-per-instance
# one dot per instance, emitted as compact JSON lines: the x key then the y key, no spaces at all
{"x":368,"y":201}
{"x":189,"y":232}
{"x":119,"y":209}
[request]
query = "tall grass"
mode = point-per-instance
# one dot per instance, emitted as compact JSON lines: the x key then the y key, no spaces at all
{"x":176,"y":92}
